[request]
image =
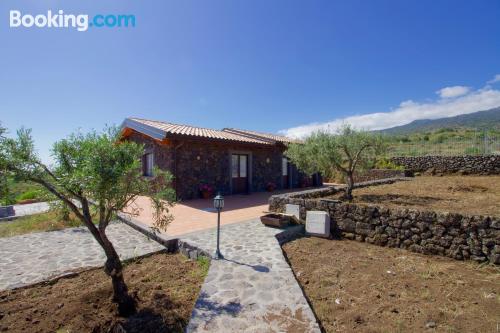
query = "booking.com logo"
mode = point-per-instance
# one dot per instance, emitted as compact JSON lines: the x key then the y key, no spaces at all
{"x":80,"y":22}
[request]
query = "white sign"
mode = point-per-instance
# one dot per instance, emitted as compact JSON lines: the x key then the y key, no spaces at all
{"x":293,"y":210}
{"x":318,"y":223}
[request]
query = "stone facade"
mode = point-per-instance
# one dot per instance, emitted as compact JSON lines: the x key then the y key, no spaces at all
{"x":486,"y":165}
{"x":446,"y":234}
{"x":193,"y":162}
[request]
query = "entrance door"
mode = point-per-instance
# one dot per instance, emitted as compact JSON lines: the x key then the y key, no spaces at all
{"x":284,"y":172}
{"x":239,"y":173}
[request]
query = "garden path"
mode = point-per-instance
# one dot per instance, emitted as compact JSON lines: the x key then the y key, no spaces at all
{"x":252,"y":289}
{"x":35,"y":257}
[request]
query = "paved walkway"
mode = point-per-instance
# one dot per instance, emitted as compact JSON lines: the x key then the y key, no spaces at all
{"x":253,"y":288}
{"x":35,"y":257}
{"x":199,"y":214}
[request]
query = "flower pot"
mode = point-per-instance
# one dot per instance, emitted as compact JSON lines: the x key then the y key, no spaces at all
{"x":275,"y":220}
{"x":7,"y":211}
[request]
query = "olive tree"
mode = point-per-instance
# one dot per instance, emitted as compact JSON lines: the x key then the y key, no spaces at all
{"x":95,"y":175}
{"x":344,"y":152}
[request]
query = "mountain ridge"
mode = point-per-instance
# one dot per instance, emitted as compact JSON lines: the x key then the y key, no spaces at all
{"x":480,"y":120}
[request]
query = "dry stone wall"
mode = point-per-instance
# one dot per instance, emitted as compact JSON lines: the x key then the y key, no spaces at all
{"x":446,"y":234}
{"x":485,"y":165}
{"x":374,"y":174}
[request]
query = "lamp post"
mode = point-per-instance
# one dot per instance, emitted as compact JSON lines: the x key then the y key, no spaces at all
{"x":218,"y":204}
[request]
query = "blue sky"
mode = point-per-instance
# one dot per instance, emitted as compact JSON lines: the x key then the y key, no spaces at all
{"x":262,"y":65}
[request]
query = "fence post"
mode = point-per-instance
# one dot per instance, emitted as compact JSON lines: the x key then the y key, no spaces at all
{"x":485,"y":138}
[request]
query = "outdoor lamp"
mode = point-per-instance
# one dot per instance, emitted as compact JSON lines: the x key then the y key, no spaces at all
{"x":218,"y":204}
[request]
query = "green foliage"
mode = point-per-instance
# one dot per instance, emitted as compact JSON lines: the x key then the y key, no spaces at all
{"x":446,"y":141}
{"x":204,"y":264}
{"x":473,"y":151}
{"x":93,"y":167}
{"x":346,"y":151}
{"x":384,"y":163}
{"x":28,"y":195}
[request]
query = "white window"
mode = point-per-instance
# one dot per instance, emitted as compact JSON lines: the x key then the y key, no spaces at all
{"x":235,"y":166}
{"x":243,"y":166}
{"x":284,"y":166}
{"x":147,"y":164}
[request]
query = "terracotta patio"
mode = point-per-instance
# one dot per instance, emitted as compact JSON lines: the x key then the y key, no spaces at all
{"x":199,"y":214}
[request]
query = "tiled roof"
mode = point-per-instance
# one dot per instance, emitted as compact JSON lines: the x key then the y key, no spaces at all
{"x":265,"y":136}
{"x":161,"y":130}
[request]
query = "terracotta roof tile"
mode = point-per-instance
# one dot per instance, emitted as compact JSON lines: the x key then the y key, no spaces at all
{"x":174,"y":129}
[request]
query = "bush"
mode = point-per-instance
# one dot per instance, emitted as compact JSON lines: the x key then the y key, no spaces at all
{"x":473,"y":151}
{"x":385,"y":163}
{"x":28,"y":195}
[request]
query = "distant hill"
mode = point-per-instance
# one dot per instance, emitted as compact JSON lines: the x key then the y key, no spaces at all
{"x":489,"y":119}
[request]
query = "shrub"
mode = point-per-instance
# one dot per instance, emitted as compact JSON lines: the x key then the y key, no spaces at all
{"x":28,"y":195}
{"x":385,"y":163}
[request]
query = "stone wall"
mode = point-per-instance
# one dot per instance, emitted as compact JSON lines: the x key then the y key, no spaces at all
{"x":374,"y":174}
{"x":452,"y":235}
{"x":197,"y":162}
{"x":487,"y":165}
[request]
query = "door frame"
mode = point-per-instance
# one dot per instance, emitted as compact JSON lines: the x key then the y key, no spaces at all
{"x":249,"y":168}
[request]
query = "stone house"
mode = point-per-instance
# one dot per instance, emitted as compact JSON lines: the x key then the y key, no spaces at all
{"x":231,"y":161}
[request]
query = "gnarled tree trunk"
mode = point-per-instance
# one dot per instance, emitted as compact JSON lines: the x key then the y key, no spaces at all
{"x":350,"y":186}
{"x":114,"y":269}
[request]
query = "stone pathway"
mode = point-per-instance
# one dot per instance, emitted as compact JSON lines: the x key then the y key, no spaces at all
{"x":35,"y":257}
{"x":253,"y":288}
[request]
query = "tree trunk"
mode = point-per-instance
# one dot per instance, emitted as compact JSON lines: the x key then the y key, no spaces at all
{"x":114,"y":269}
{"x":349,"y":187}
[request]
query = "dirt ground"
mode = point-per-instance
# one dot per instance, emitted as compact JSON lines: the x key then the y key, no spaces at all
{"x":474,"y":195}
{"x":166,"y":286}
{"x":358,"y":287}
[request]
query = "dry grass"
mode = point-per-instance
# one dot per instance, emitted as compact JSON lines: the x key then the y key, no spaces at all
{"x":473,"y":195}
{"x":358,"y":287}
{"x":49,"y":221}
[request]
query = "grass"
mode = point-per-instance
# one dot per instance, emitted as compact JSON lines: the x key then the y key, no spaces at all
{"x":49,"y":221}
{"x":19,"y":192}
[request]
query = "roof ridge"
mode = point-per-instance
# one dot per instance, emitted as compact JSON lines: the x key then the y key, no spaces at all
{"x":159,"y":128}
{"x":247,"y":134}
{"x":258,"y":132}
{"x":177,"y":124}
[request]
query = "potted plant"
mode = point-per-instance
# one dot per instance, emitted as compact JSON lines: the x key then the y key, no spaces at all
{"x":206,"y":190}
{"x":270,"y":186}
{"x":306,"y":182}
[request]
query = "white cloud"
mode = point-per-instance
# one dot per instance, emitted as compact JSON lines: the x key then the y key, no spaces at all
{"x":455,"y":91}
{"x":495,"y":79}
{"x":408,"y":111}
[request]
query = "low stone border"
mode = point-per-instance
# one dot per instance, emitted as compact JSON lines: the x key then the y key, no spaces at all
{"x":277,"y":202}
{"x":173,"y":244}
{"x":453,"y":235}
